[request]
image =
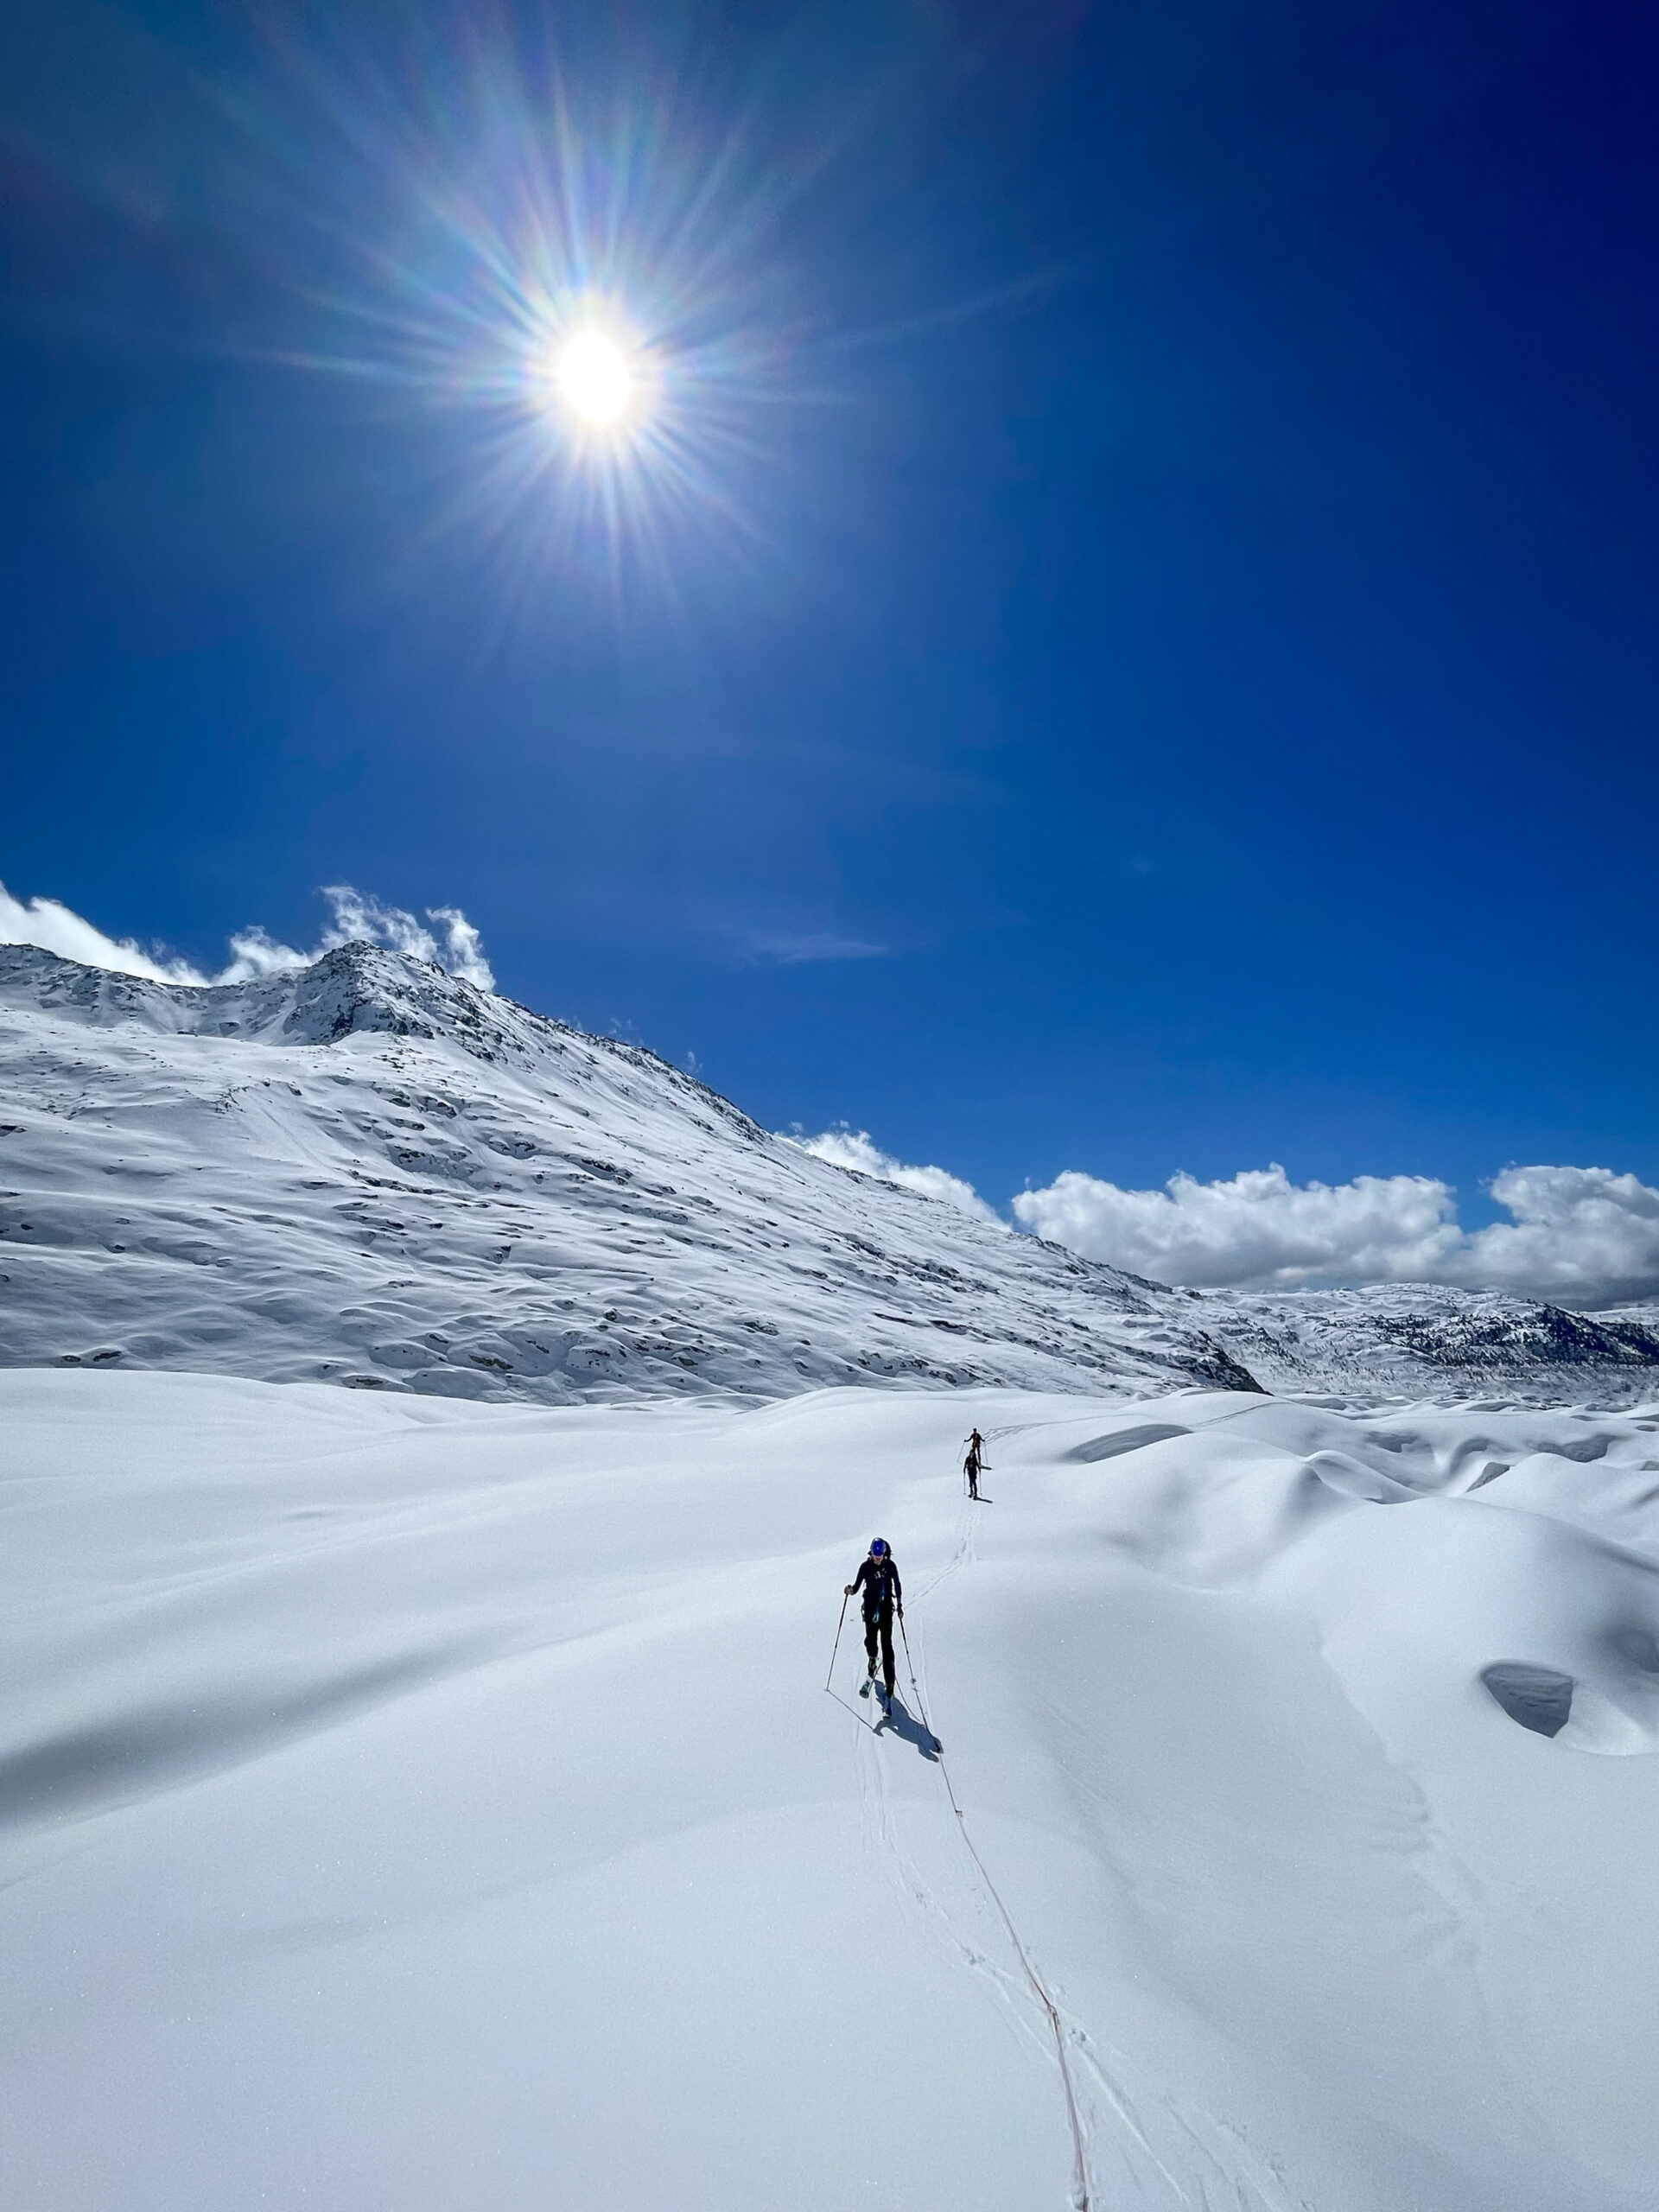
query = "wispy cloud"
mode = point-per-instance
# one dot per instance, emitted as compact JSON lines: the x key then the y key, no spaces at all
{"x":453,"y":942}
{"x":849,"y":1147}
{"x":786,"y":950}
{"x":1578,"y":1236}
{"x":57,"y":928}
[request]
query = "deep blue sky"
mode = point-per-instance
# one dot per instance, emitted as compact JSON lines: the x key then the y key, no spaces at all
{"x":1178,"y":569}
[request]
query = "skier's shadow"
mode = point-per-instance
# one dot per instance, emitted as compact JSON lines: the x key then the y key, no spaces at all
{"x":898,"y":1721}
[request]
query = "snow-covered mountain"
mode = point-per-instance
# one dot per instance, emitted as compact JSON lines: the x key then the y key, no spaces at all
{"x":1421,"y":1340}
{"x":368,"y":1172}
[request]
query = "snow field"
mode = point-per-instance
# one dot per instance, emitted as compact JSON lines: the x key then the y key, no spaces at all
{"x":406,"y":1803}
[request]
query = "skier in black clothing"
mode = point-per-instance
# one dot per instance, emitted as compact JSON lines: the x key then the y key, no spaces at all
{"x":878,"y":1578}
{"x":972,"y":1464}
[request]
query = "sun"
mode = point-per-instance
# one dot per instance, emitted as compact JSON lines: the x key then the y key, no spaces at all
{"x":595,"y":377}
{"x":583,"y":283}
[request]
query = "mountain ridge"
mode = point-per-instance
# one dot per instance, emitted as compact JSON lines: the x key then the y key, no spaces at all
{"x":624,"y":1188}
{"x":501,"y":1205}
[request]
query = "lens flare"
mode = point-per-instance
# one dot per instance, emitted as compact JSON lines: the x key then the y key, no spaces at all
{"x":583,"y":297}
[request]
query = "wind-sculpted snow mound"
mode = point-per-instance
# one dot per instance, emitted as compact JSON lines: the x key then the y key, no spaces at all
{"x":369,"y":1172}
{"x":441,"y":1805}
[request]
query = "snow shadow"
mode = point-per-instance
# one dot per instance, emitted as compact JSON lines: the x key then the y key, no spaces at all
{"x":123,"y":1758}
{"x":899,"y":1720}
{"x":1538,"y":1697}
{"x":1126,"y":1440}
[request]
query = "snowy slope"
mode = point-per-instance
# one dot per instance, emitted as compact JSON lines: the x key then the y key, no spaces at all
{"x":370,"y":1172}
{"x":415,"y":1804}
{"x":367,"y":1172}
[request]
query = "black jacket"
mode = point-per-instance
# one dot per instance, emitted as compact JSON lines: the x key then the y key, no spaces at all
{"x":879,"y":1580}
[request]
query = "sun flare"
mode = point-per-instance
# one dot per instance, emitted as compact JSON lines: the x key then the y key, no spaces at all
{"x":609,"y":360}
{"x":595,"y":377}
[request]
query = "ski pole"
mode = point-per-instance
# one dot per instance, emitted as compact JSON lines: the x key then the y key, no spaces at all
{"x":911,"y":1664}
{"x":840,"y":1624}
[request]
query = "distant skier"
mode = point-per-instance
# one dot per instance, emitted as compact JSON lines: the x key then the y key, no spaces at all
{"x":976,"y":1460}
{"x":878,"y":1578}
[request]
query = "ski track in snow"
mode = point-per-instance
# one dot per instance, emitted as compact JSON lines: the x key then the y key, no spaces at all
{"x":911,"y":1887}
{"x":1224,"y":2161}
{"x":1081,"y":2197}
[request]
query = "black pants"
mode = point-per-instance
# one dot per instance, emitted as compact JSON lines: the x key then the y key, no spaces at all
{"x":881,"y":1624}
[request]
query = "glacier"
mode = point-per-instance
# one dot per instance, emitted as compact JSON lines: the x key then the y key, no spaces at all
{"x":433,"y":1444}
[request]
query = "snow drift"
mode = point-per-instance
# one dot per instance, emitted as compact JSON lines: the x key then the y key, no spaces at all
{"x":423,"y":1804}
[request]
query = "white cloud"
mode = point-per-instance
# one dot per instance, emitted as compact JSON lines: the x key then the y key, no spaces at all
{"x":56,"y":929}
{"x":455,"y":944}
{"x":1581,"y":1235}
{"x":463,"y":948}
{"x":1259,"y":1229}
{"x":845,"y":1147}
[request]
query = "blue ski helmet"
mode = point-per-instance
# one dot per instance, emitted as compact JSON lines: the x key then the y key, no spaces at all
{"x":879,"y":1549}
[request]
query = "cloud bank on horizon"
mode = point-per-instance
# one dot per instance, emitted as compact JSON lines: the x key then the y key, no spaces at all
{"x":1581,"y":1237}
{"x":455,"y":943}
{"x":1578,"y":1235}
